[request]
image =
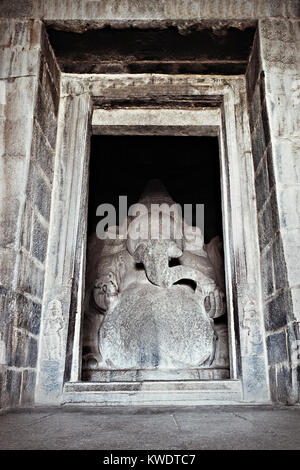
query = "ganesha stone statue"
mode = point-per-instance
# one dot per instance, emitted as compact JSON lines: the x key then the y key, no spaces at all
{"x":154,"y":291}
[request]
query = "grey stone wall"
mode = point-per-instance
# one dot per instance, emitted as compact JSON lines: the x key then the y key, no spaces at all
{"x":273,"y":82}
{"x":120,"y":10}
{"x":29,"y":105}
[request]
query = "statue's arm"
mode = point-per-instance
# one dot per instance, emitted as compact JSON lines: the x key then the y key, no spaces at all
{"x":206,"y":286}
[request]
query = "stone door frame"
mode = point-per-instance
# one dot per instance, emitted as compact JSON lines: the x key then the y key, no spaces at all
{"x":110,"y":104}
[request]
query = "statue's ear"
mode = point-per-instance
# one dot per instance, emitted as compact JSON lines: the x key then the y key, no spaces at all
{"x":113,"y":243}
{"x":139,"y":252}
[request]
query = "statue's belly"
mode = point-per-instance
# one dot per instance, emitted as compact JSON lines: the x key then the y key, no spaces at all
{"x":152,"y":327}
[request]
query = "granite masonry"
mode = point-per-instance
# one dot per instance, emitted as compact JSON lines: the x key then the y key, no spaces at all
{"x":30,"y":97}
{"x":52,"y":99}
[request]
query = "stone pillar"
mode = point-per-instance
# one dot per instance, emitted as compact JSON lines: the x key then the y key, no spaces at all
{"x":274,"y":99}
{"x":246,"y":282}
{"x":29,"y":90}
{"x":64,"y":248}
{"x":19,"y":67}
{"x":280,"y":43}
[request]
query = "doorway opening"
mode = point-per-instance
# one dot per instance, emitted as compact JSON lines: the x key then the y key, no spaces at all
{"x":220,"y":112}
{"x":188,"y":170}
{"x":187,"y":166}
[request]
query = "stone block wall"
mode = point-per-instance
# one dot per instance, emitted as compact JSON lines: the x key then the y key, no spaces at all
{"x":145,"y":10}
{"x":29,"y":106}
{"x":272,"y":96}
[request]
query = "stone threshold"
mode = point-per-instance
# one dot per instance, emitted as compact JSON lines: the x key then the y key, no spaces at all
{"x":141,"y":375}
{"x":179,"y":392}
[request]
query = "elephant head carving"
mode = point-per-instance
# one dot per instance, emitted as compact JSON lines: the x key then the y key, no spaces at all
{"x":156,"y":254}
{"x":157,"y":237}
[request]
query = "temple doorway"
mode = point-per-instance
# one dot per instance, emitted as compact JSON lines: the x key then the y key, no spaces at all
{"x":185,"y":170}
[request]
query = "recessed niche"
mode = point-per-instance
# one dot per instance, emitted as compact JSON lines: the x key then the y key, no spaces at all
{"x":138,"y":325}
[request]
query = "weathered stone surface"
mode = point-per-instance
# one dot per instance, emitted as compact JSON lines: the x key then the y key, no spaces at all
{"x":7,"y":338}
{"x":110,"y":50}
{"x":132,"y":375}
{"x":253,"y":71}
{"x":7,"y":260}
{"x":279,"y":41}
{"x":262,"y":182}
{"x":32,"y":352}
{"x":273,"y":384}
{"x":20,"y":276}
{"x":284,"y":384}
{"x":29,"y":313}
{"x":155,"y":328}
{"x":172,"y":9}
{"x":277,"y":348}
{"x":267,"y":273}
{"x":264,"y":115}
{"x":155,"y":427}
{"x":255,"y":386}
{"x":16,"y":8}
{"x":91,"y":13}
{"x":4,"y":313}
{"x":27,"y":225}
{"x":277,"y":310}
{"x":276,"y":34}
{"x":48,"y":62}
{"x":19,"y":60}
{"x":258,"y":145}
{"x":20,"y":349}
{"x":292,"y":251}
{"x":270,"y":165}
{"x":42,"y":152}
{"x":254,"y":101}
{"x":12,"y":387}
{"x":45,"y":111}
{"x":39,"y":240}
{"x":28,"y":386}
{"x":287,"y":160}
{"x":288,"y":204}
{"x":31,"y":276}
{"x":51,"y":91}
{"x":19,"y":55}
{"x":60,"y":286}
{"x":40,"y":190}
{"x":295,"y":294}
{"x":266,"y":224}
{"x":14,"y":152}
{"x":280,"y":272}
{"x":146,"y":393}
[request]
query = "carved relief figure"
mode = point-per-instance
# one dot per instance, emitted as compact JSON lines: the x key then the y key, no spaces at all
{"x":151,"y":301}
{"x":251,"y":328}
{"x":53,"y":330}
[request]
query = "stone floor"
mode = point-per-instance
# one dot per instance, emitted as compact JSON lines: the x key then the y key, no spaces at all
{"x":199,"y":427}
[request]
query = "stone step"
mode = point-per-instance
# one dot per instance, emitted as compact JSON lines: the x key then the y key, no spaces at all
{"x":140,"y":375}
{"x":177,"y":392}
